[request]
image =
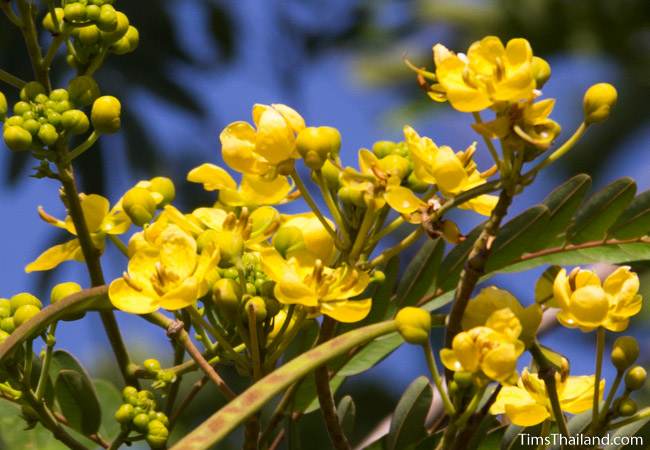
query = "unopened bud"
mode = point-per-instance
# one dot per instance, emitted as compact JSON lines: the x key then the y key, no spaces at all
{"x":105,"y":114}
{"x":625,"y":351}
{"x":598,"y":101}
{"x":541,"y":71}
{"x":17,"y":138}
{"x":316,"y":144}
{"x":635,"y":378}
{"x":413,"y":324}
{"x":139,"y":205}
{"x":627,"y":407}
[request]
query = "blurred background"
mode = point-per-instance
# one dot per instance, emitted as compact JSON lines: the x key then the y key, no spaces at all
{"x":203,"y":63}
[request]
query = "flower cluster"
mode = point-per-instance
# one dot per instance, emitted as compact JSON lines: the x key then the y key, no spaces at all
{"x":139,"y":412}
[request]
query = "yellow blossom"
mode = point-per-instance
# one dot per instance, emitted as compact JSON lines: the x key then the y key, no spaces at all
{"x":259,"y":150}
{"x":254,"y":190}
{"x":304,"y":237}
{"x":527,"y":403}
{"x":492,"y":349}
{"x":586,"y":303}
{"x":100,"y":219}
{"x":322,"y":290}
{"x":488,"y":74}
{"x":166,"y":271}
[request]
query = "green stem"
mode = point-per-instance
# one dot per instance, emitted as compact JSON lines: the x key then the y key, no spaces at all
{"x":255,"y":342}
{"x":45,"y":366}
{"x":29,"y":362}
{"x":11,"y":79}
{"x":54,"y":47}
{"x":389,"y":253}
{"x":388,"y":229}
{"x":471,"y":408}
{"x":279,"y":412}
{"x":362,"y":234}
{"x":81,"y":148}
{"x":216,"y":334}
{"x":179,"y":353}
{"x":561,"y":151}
{"x":28,"y":29}
{"x":433,"y":367}
{"x":641,"y":415}
{"x":119,"y":439}
{"x":196,"y":388}
{"x":544,"y":432}
{"x":488,"y":142}
{"x":333,"y":207}
{"x":600,"y":350}
{"x":121,"y":246}
{"x":5,"y":6}
{"x":610,"y":398}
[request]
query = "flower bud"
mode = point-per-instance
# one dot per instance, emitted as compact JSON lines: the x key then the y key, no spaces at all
{"x":5,"y":308}
{"x":32,"y":126}
{"x":331,"y":174}
{"x":627,"y":407}
{"x":226,"y":293}
{"x":383,"y":148}
{"x":415,"y":184}
{"x":48,"y":20}
{"x":157,"y":434}
{"x":105,"y":114}
{"x":151,"y":365}
{"x":541,"y":71}
{"x":3,"y":336}
{"x":127,"y":43}
{"x":47,"y":134}
{"x":635,"y":378}
{"x":463,"y":379}
{"x":259,"y":308}
{"x":89,"y":35}
{"x":3,"y":107}
{"x":83,"y":90}
{"x":93,"y":12}
{"x":351,"y":196}
{"x":107,"y":20}
{"x":24,"y":298}
{"x":413,"y":324}
{"x":165,"y":187}
{"x":140,"y":421}
{"x":120,"y":30}
{"x":624,"y":352}
{"x":124,"y":413}
{"x":316,"y":144}
{"x":75,"y":121}
{"x":139,"y":205}
{"x":395,"y":165}
{"x":162,"y":417}
{"x":24,"y":313}
{"x":598,"y":101}
{"x":7,"y":325}
{"x":21,"y":108}
{"x":231,"y":247}
{"x":129,"y":391}
{"x":17,"y":138}
{"x":59,"y":95}
{"x":74,"y":12}
{"x":288,"y":239}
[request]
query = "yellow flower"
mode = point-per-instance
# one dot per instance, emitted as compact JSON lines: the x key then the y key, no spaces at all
{"x":492,"y":349}
{"x":258,"y":151}
{"x":166,"y":271}
{"x":492,"y":299}
{"x":451,"y":172}
{"x":101,"y":220}
{"x":488,"y":74}
{"x":527,"y":403}
{"x":587,"y":304}
{"x":322,"y":290}
{"x":302,"y":236}
{"x":253,"y":190}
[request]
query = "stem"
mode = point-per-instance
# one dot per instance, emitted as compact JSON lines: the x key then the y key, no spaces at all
{"x":5,"y":6}
{"x":216,"y":334}
{"x":389,"y":253}
{"x":600,"y":350}
{"x":475,"y":265}
{"x":546,"y":429}
{"x":11,"y":79}
{"x":488,"y":142}
{"x":54,"y":47}
{"x":332,"y":206}
{"x":314,"y":207}
{"x":388,"y":229}
{"x":610,"y":398}
{"x":279,"y":412}
{"x":179,"y":352}
{"x":196,"y":388}
{"x":255,"y":343}
{"x":45,"y":367}
{"x":119,"y":440}
{"x":28,"y":29}
{"x":362,"y":234}
{"x":473,"y":404}
{"x":643,"y":414}
{"x":81,"y":148}
{"x":29,"y":361}
{"x":431,"y":362}
{"x":325,"y":397}
{"x":557,"y":154}
{"x":119,"y":244}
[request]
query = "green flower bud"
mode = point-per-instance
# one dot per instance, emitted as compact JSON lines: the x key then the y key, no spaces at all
{"x":378,"y":276}
{"x":63,"y":290}
{"x":3,"y":336}
{"x":120,"y":30}
{"x":635,"y":378}
{"x":128,"y":43}
{"x":3,"y":107}
{"x":165,"y":187}
{"x":13,"y":121}
{"x":162,"y":418}
{"x":413,"y":324}
{"x":395,"y":165}
{"x":48,"y":21}
{"x":7,"y":324}
{"x":32,"y":126}
{"x":24,"y":298}
{"x":166,"y":376}
{"x":107,"y":20}
{"x":75,"y":121}
{"x":105,"y":114}
{"x":54,"y":118}
{"x":24,"y":313}
{"x":351,"y":196}
{"x":288,"y":239}
{"x":125,"y":413}
{"x":83,"y":90}
{"x":129,"y":391}
{"x":598,"y":101}
{"x":89,"y":35}
{"x":226,"y":294}
{"x":17,"y":138}
{"x":139,"y":205}
{"x":157,"y":434}
{"x":47,"y":134}
{"x":331,"y":174}
{"x":63,"y":106}
{"x":383,"y":148}
{"x":140,"y":421}
{"x":41,"y":99}
{"x":21,"y":108}
{"x":316,"y":144}
{"x":415,"y":184}
{"x":627,"y":407}
{"x":151,"y":365}
{"x":463,"y":379}
{"x":74,"y":12}
{"x":59,"y":95}
{"x":624,"y":352}
{"x":93,"y":12}
{"x":5,"y":308}
{"x":541,"y":71}
{"x":259,"y":308}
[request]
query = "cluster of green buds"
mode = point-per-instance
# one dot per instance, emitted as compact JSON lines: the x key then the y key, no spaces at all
{"x":625,"y":352}
{"x":163,"y":377}
{"x":16,"y":311}
{"x":395,"y":157}
{"x":318,"y":144}
{"x":138,"y":412}
{"x":96,"y":27}
{"x":142,"y":201}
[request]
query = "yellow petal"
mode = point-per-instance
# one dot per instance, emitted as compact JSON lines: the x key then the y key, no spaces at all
{"x":347,"y":311}
{"x":622,"y":284}
{"x":256,"y":190}
{"x":292,"y":117}
{"x":182,"y":296}
{"x":210,"y":217}
{"x":238,"y":149}
{"x":273,"y":264}
{"x":130,"y":300}
{"x":213,"y":178}
{"x":95,"y":208}
{"x":403,"y":200}
{"x":450,"y":360}
{"x":527,"y":415}
{"x":483,"y":204}
{"x":562,"y":290}
{"x":178,"y":252}
{"x":466,"y":351}
{"x":500,"y":363}
{"x":511,"y":395}
{"x":292,"y":291}
{"x":52,"y":257}
{"x":275,"y":140}
{"x":589,"y":305}
{"x":578,"y":393}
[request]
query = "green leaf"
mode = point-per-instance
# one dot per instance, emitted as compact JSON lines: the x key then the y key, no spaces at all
{"x":371,"y":354}
{"x":407,"y":426}
{"x":306,"y":397}
{"x":635,"y":220}
{"x":512,"y":440}
{"x":347,"y":412}
{"x":517,"y":236}
{"x":640,"y":428}
{"x":453,"y":263}
{"x":420,"y":275}
{"x":110,"y":399}
{"x":562,"y":203}
{"x":62,"y":360}
{"x":383,"y":306}
{"x":13,"y":434}
{"x":601,"y":211}
{"x":78,"y":401}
